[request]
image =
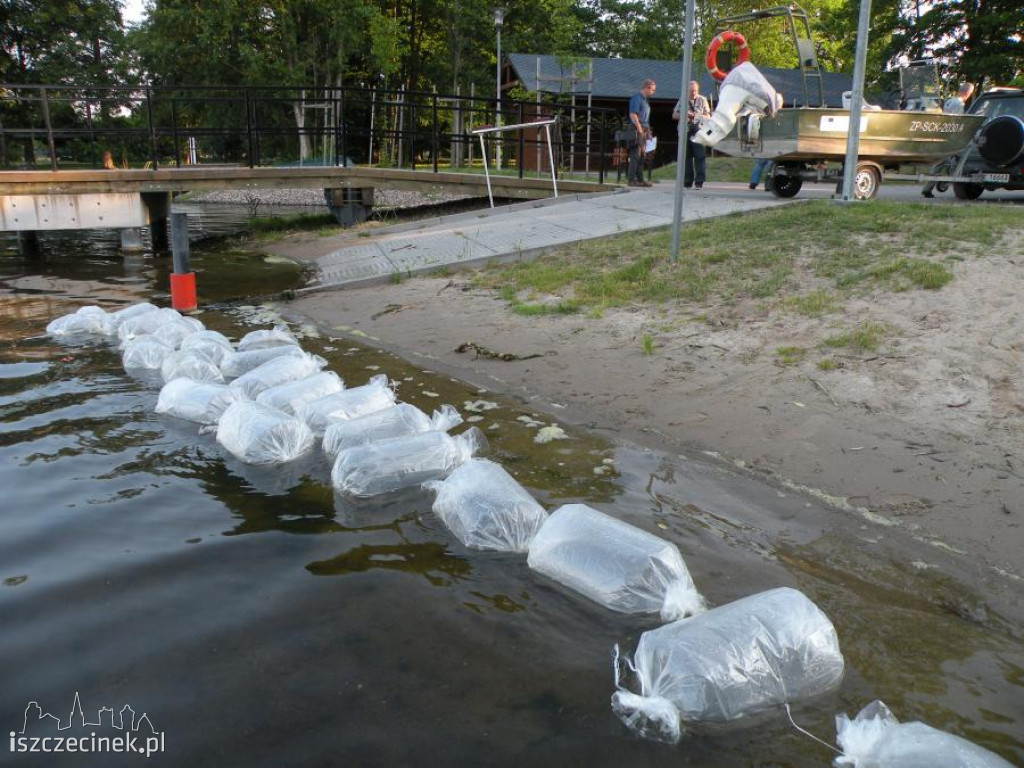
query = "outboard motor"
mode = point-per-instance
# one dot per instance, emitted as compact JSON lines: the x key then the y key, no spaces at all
{"x":744,"y":91}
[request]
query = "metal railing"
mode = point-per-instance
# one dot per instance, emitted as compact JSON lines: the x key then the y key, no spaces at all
{"x":161,"y":126}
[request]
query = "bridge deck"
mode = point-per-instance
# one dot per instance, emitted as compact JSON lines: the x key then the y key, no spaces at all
{"x":199,"y":177}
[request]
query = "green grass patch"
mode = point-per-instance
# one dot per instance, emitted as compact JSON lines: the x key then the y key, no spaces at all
{"x":647,"y":344}
{"x":863,"y":337}
{"x":790,"y":355}
{"x":827,"y":364}
{"x":262,"y":225}
{"x":769,"y":256}
{"x":814,"y":303}
{"x":718,"y":169}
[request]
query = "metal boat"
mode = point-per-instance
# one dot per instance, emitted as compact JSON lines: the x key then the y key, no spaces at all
{"x":802,"y":139}
{"x":887,"y":137}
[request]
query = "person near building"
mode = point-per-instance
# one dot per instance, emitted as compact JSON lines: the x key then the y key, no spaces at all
{"x":954,"y":105}
{"x":640,"y":122}
{"x":697,"y":109}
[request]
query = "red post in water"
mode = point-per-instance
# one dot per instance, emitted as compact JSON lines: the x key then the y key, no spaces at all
{"x":183,"y":280}
{"x":183,"y":291}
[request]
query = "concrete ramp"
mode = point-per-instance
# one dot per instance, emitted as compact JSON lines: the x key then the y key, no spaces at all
{"x":521,"y":230}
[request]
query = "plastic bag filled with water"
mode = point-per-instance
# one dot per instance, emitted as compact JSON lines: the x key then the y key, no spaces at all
{"x":202,"y":402}
{"x":394,"y":421}
{"x":213,"y":345}
{"x":87,"y":321}
{"x":485,"y":508}
{"x":118,"y":316}
{"x":145,"y":352}
{"x":235,"y":364}
{"x":614,"y":563}
{"x":293,"y":395}
{"x":876,"y":739}
{"x":276,"y":372}
{"x":349,"y":404}
{"x":145,"y":324}
{"x":277,"y":336}
{"x":174,"y":332}
{"x":257,"y":434}
{"x":190,"y":365}
{"x":762,"y":651}
{"x":402,"y":462}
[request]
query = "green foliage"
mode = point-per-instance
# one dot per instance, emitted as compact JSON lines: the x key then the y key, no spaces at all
{"x":978,"y":42}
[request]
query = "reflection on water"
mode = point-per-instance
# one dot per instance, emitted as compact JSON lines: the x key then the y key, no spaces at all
{"x":260,"y":620}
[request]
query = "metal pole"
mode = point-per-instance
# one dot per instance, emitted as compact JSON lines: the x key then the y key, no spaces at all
{"x":179,"y":243}
{"x":677,"y":215}
{"x":499,"y":19}
{"x":551,"y":160}
{"x":487,"y":175}
{"x":853,"y":131}
{"x":248,"y":129}
{"x":152,"y":127}
{"x":49,"y":131}
{"x":183,"y":279}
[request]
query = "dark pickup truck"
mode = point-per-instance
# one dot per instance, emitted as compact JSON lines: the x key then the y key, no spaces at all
{"x":998,"y":150}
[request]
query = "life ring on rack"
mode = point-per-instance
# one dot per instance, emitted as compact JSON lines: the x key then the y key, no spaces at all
{"x":728,"y":36}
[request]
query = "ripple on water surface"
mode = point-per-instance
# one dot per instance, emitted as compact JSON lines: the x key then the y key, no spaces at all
{"x":257,"y":618}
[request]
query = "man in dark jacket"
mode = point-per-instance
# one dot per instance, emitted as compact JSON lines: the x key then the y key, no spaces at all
{"x":640,"y":122}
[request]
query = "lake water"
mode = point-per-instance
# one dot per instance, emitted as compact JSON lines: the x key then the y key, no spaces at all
{"x":257,"y":620}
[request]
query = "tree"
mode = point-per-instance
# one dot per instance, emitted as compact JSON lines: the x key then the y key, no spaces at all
{"x":976,"y":40}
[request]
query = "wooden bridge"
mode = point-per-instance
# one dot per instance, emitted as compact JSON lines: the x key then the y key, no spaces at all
{"x":32,"y":201}
{"x":208,"y":138}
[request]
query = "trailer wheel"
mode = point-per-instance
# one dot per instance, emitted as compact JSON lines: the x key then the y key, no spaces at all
{"x":784,"y":186}
{"x":967,"y":191}
{"x":866,"y":182}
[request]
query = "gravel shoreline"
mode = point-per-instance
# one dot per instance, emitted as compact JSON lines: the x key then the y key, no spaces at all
{"x":382,"y":198}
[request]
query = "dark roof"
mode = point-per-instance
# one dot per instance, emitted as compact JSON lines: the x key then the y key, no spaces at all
{"x":621,"y":78}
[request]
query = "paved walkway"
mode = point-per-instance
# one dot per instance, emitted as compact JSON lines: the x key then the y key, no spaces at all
{"x":522,"y":229}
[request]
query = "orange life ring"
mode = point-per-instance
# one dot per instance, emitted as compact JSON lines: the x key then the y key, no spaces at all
{"x":711,"y":60}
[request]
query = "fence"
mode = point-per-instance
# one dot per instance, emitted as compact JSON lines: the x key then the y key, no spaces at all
{"x":159,"y":126}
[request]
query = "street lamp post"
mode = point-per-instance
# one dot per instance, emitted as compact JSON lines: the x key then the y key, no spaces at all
{"x":499,"y":19}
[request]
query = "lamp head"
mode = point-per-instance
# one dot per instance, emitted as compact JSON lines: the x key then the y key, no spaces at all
{"x":499,"y":16}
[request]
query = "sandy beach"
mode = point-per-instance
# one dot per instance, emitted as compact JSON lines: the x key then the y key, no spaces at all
{"x":923,"y":433}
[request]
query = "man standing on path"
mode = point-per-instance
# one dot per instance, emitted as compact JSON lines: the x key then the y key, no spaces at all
{"x":955,"y":105}
{"x":640,"y":120}
{"x":697,"y":109}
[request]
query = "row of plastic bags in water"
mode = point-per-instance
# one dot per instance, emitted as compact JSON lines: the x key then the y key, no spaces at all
{"x":270,"y":401}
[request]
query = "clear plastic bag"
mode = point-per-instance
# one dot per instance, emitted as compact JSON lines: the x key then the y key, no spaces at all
{"x":395,"y":421}
{"x":213,"y":345}
{"x":614,"y":563}
{"x":277,"y":336}
{"x":145,"y":323}
{"x":175,"y":332}
{"x":276,"y":372}
{"x":293,"y":395}
{"x":731,"y":662}
{"x":390,"y":465}
{"x":115,"y":318}
{"x":145,"y":352}
{"x":201,"y":402}
{"x":485,"y":508}
{"x":235,"y":364}
{"x":349,"y":404}
{"x":876,"y":739}
{"x":87,"y":321}
{"x":256,"y":434}
{"x":190,"y":365}
{"x":749,"y":78}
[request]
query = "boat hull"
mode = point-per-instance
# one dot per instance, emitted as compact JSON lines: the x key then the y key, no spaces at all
{"x":886,"y":136}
